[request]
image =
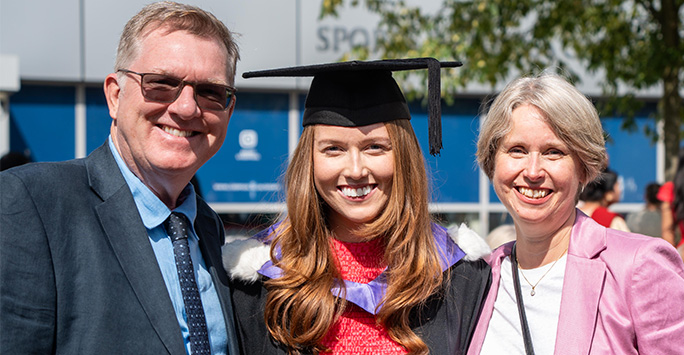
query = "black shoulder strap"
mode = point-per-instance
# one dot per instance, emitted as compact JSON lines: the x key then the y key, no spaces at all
{"x":529,"y":349}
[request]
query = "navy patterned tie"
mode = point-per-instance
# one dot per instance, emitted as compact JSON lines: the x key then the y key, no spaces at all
{"x":176,"y":226}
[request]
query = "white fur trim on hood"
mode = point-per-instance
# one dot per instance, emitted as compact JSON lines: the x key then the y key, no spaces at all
{"x":242,"y":258}
{"x":470,"y":242}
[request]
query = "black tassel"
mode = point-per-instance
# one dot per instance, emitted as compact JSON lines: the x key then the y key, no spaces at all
{"x":434,"y":106}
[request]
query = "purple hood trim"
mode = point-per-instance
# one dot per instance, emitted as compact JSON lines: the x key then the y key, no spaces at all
{"x":368,"y":296}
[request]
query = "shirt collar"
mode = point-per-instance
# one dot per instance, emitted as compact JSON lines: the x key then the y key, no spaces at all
{"x":152,"y":210}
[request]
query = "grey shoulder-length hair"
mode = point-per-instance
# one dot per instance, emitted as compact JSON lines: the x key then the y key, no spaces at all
{"x":572,"y":117}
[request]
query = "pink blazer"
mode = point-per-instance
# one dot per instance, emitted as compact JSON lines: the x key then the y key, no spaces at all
{"x":623,"y":293}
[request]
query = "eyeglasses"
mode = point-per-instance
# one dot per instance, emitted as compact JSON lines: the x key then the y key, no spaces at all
{"x":166,"y":89}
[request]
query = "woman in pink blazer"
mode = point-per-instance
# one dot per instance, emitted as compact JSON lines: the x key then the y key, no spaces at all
{"x":567,"y":285}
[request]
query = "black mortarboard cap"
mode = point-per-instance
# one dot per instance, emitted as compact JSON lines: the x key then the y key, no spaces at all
{"x":359,"y":93}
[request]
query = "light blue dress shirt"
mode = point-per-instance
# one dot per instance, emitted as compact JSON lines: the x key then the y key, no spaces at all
{"x":153,"y":213}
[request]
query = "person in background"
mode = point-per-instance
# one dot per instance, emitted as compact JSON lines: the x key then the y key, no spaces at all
{"x":358,"y":266}
{"x":598,"y":195}
{"x":671,"y":194}
{"x":567,"y":285}
{"x":115,"y":253}
{"x":500,"y":235}
{"x":12,"y":159}
{"x":648,"y":220}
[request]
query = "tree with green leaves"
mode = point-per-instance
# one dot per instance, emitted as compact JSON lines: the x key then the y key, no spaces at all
{"x":633,"y":45}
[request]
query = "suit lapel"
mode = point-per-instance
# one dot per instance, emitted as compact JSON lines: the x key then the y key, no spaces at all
{"x":494,"y":259}
{"x":128,"y":237}
{"x":582,"y":287}
{"x":206,"y":227}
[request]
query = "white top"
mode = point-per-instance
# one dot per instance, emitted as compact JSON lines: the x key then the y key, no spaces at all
{"x":504,"y":334}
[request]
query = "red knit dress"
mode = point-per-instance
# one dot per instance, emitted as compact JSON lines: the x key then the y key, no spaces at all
{"x":356,"y":332}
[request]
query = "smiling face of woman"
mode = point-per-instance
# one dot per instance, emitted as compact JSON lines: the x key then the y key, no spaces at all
{"x":353,"y":172}
{"x":536,"y":175}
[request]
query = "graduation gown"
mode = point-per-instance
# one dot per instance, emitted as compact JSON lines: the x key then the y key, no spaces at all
{"x":445,"y":324}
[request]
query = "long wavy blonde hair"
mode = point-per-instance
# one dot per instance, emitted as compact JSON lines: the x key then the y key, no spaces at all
{"x":300,"y":307}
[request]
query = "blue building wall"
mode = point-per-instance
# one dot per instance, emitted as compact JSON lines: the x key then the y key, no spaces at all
{"x":42,"y":122}
{"x":249,"y":166}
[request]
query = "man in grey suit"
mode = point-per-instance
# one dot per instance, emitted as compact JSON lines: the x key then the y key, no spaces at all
{"x":87,"y":264}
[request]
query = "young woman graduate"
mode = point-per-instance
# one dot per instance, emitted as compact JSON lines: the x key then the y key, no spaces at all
{"x":357,"y":266}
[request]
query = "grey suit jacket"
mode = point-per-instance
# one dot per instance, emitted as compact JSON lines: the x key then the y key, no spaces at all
{"x":77,"y":272}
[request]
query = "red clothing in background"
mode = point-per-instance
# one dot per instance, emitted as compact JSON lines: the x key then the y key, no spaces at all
{"x":603,"y":216}
{"x":666,"y":194}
